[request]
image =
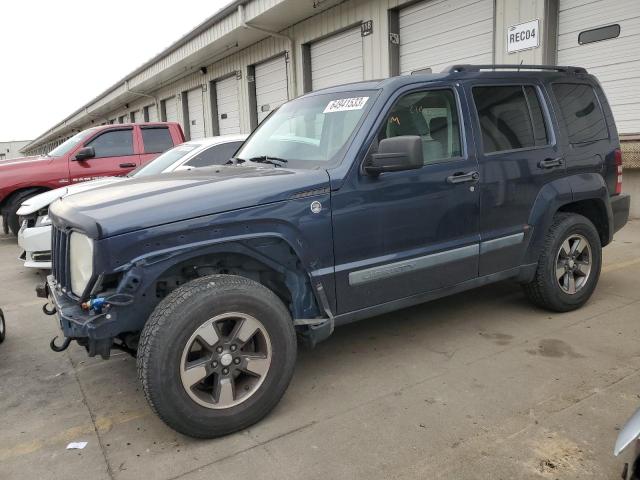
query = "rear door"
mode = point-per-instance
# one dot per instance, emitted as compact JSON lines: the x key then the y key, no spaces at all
{"x":116,"y":155}
{"x":518,"y":155}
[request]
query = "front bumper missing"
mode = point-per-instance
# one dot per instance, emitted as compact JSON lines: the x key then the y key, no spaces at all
{"x":93,"y":330}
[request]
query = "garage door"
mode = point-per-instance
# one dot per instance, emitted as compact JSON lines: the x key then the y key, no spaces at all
{"x":152,"y":112}
{"x":271,"y":86}
{"x":615,"y":61}
{"x":228,"y":106}
{"x":196,"y":113}
{"x":170,"y":109}
{"x":337,"y":59}
{"x":435,"y":34}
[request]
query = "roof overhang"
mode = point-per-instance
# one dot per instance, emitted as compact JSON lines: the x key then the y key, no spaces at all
{"x":220,"y":36}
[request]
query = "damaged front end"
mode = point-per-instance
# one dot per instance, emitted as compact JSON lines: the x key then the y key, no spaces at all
{"x":93,"y":324}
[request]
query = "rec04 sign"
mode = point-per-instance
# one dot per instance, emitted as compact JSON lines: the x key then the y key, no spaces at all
{"x":523,"y":36}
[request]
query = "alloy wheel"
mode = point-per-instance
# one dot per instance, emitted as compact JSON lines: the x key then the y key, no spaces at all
{"x":225,"y":360}
{"x":573,"y":264}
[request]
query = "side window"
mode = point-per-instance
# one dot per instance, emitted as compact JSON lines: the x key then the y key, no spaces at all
{"x":581,"y":112}
{"x":433,"y":116}
{"x":216,"y":155}
{"x":114,"y":143}
{"x":540,"y":135}
{"x":510,"y":117}
{"x":156,"y":140}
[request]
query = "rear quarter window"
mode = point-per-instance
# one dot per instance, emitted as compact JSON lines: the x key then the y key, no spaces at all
{"x":156,"y":140}
{"x":581,"y":112}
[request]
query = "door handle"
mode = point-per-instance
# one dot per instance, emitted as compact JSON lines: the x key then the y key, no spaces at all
{"x":127,"y":165}
{"x":461,"y":177}
{"x":550,"y":163}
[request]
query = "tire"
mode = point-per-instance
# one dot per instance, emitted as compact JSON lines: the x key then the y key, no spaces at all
{"x":187,"y":315}
{"x":551,"y":288}
{"x":11,"y":216}
{"x":3,"y":327}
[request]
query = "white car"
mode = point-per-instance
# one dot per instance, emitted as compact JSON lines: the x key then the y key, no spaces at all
{"x":35,"y":231}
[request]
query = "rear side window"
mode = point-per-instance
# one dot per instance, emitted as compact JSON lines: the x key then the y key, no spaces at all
{"x":581,"y":112}
{"x":156,"y":140}
{"x":114,"y":143}
{"x":216,"y":155}
{"x":510,"y":118}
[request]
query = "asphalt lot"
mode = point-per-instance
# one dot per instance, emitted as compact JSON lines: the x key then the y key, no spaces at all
{"x":479,"y":385}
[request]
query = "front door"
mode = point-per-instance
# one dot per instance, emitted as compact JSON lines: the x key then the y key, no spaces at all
{"x":114,"y":156}
{"x":405,"y":233}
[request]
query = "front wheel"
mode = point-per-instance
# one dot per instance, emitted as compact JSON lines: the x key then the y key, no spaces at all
{"x":569,"y":265}
{"x":216,"y":355}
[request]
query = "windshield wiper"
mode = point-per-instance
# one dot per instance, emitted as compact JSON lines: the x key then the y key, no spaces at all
{"x":278,"y":162}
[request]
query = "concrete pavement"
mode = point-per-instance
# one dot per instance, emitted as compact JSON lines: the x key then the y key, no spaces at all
{"x":478,"y":385}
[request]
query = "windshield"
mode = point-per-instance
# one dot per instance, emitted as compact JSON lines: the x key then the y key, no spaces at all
{"x":164,"y":161}
{"x":308,"y":132}
{"x":69,"y":144}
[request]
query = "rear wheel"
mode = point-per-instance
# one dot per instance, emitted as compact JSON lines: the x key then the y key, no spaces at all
{"x":216,"y":355}
{"x":569,"y":265}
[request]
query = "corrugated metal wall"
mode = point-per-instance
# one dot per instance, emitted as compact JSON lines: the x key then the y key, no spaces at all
{"x":375,"y":48}
{"x":616,"y":62}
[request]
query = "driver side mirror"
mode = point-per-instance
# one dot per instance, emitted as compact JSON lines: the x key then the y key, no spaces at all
{"x":396,"y":154}
{"x":85,"y":153}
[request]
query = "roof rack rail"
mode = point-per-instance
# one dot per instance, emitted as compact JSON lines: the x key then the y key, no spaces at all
{"x":502,"y":66}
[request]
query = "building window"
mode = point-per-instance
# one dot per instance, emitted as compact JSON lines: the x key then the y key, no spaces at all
{"x":599,"y":34}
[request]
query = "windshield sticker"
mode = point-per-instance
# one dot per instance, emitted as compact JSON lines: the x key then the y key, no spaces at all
{"x":346,"y":104}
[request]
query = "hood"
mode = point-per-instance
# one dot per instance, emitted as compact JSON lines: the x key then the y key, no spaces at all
{"x":138,"y":203}
{"x":22,"y":160}
{"x":34,"y":204}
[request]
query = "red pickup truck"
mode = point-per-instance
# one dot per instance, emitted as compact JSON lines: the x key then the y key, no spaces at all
{"x":104,"y":151}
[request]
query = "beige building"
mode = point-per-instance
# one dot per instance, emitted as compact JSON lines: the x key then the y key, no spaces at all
{"x":228,"y":73}
{"x":12,"y":149}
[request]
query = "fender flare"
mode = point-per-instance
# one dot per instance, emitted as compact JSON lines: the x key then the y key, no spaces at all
{"x":552,"y":197}
{"x":268,"y":248}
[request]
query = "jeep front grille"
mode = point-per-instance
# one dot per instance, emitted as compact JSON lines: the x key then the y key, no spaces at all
{"x":60,"y":256}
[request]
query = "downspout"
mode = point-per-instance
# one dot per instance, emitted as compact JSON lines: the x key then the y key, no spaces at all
{"x":292,"y":57}
{"x":128,"y":90}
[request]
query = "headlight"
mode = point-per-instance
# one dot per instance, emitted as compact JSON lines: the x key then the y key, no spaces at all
{"x":81,"y":262}
{"x":43,"y":221}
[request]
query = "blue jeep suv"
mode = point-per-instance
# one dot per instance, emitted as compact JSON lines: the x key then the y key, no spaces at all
{"x":345,"y":203}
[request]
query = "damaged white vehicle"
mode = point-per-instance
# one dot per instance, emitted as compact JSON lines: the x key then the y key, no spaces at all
{"x":34,"y":236}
